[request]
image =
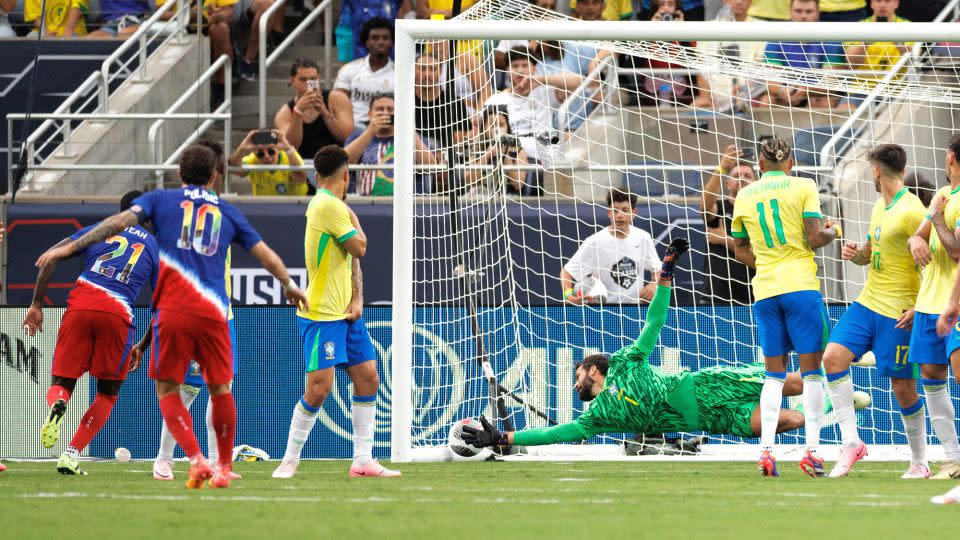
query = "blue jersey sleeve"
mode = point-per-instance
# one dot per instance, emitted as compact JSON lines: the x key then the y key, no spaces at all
{"x":148,"y":204}
{"x":245,"y":234}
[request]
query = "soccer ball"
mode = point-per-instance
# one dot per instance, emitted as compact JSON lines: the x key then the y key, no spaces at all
{"x":455,"y":439}
{"x":122,"y":455}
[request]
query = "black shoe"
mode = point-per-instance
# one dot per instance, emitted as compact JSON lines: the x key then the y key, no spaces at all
{"x":217,"y":95}
{"x":248,"y":71}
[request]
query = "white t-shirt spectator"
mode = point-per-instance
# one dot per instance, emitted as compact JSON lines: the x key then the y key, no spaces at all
{"x":531,"y":114}
{"x":619,"y":263}
{"x":361,"y":83}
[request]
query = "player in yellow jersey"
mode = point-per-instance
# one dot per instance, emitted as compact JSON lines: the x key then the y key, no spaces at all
{"x":879,"y":320}
{"x":332,"y":330}
{"x":776,"y":226}
{"x":936,"y":248}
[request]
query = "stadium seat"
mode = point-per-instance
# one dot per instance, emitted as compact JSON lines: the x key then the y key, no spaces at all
{"x":659,"y":182}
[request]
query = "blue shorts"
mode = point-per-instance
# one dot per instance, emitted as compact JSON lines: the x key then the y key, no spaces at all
{"x":862,"y":329}
{"x":195,"y":378}
{"x":794,"y":321}
{"x":328,"y":344}
{"x":926,"y":347}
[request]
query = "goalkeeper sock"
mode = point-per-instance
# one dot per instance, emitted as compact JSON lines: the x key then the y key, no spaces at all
{"x":771,"y":397}
{"x":56,"y":392}
{"x":167,"y":443}
{"x":93,"y":421}
{"x":178,"y":421}
{"x":223,"y":417}
{"x":841,"y":393}
{"x":363,"y":413}
{"x":304,"y":417}
{"x":812,"y":406}
{"x":915,"y":424}
{"x":942,"y":415}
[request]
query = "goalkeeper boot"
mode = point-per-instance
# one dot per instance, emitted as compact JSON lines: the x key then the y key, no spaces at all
{"x":199,"y":473}
{"x":917,"y":471}
{"x":287,"y":468}
{"x":70,"y":464}
{"x":221,"y":478}
{"x":50,"y":432}
{"x":163,"y":469}
{"x":951,"y":497}
{"x":372,"y":468}
{"x":848,"y":456}
{"x":812,"y":465}
{"x":949,"y":469}
{"x":767,"y":464}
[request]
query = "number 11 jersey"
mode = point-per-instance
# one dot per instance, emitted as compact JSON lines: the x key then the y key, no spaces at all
{"x":770,"y":212}
{"x":194,"y":228}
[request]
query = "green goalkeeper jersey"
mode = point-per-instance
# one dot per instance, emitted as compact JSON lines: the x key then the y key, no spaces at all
{"x":636,"y":397}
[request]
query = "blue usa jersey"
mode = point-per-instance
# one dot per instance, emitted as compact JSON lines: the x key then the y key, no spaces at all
{"x":194,"y":228}
{"x":114,"y":272}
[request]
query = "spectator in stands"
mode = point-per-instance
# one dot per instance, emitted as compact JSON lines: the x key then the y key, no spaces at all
{"x":504,"y":46}
{"x":720,"y":90}
{"x":770,"y":10}
{"x":313,"y":118}
{"x":609,"y":10}
{"x":921,"y":186}
{"x":728,"y":280}
{"x":277,"y":182}
{"x":371,"y":75}
{"x":684,"y":10}
{"x":659,"y":87}
{"x":617,"y":257}
{"x":546,"y":4}
{"x":532,"y":99}
{"x":441,"y":120}
{"x":120,"y":18}
{"x":354,"y":14}
{"x":881,"y":55}
{"x":842,"y":10}
{"x":803,"y":55}
{"x":64,"y":18}
{"x":497,"y":146}
{"x":428,"y":8}
{"x":248,"y":64}
{"x":218,"y":17}
{"x":374,"y":146}
{"x":6,"y":31}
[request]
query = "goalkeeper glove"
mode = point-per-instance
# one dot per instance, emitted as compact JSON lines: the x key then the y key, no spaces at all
{"x":677,"y":247}
{"x":481,"y":438}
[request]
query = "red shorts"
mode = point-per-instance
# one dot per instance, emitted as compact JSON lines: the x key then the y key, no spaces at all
{"x":92,"y":341}
{"x":180,"y":337}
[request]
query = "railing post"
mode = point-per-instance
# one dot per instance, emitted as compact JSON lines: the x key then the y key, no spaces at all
{"x":10,"y":154}
{"x":228,"y":123}
{"x":262,"y":76}
{"x":328,"y":45}
{"x":143,"y":58}
{"x":67,"y":133}
{"x":104,"y":90}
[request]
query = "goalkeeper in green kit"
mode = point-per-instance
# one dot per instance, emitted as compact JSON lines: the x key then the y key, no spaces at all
{"x":629,"y":395}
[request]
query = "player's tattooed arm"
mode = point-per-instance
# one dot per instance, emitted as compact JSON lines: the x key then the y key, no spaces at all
{"x":743,"y":252}
{"x":859,"y":255}
{"x":820,"y":232}
{"x":33,"y":321}
{"x":355,"y":308}
{"x":105,"y":229}
{"x":947,"y":236}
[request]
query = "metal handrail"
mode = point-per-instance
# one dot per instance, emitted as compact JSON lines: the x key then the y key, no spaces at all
{"x":266,"y":61}
{"x":826,"y":153}
{"x":595,"y":76}
{"x":155,"y":142}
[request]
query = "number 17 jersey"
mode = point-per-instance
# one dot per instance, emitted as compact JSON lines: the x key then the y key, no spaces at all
{"x":770,"y":212}
{"x":194,"y":227}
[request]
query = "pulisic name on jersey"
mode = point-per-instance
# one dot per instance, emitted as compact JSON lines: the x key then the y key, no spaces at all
{"x":200,"y":193}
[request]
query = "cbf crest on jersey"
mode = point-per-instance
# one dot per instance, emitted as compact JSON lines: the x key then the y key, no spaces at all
{"x":876,"y":234}
{"x":330,"y":349}
{"x":613,"y":389}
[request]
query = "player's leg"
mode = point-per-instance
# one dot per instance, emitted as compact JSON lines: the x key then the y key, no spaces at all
{"x":213,"y":451}
{"x":215,"y":356}
{"x":362,"y":369}
{"x":71,"y":359}
{"x":914,"y":418}
{"x":163,"y":465}
{"x":108,"y":392}
{"x":775,"y":343}
{"x":852,"y":337}
{"x":930,"y":351}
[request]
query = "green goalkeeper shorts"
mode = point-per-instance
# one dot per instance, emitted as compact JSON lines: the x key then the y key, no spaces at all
{"x":727,"y":397}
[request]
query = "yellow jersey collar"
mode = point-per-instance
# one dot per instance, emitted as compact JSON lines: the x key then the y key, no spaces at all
{"x":772,"y":173}
{"x":896,"y":198}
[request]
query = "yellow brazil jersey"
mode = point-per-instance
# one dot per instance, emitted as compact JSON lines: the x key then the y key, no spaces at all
{"x":273,"y":182}
{"x":893,"y":278}
{"x":937,"y":280}
{"x":771,"y":9}
{"x":329,"y":272}
{"x":770,"y":212}
{"x":207,"y":4}
{"x":842,"y":5}
{"x":57,"y":13}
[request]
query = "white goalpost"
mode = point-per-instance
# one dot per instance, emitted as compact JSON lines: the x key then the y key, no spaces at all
{"x":480,"y":325}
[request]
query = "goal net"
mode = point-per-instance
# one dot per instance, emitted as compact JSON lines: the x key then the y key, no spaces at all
{"x":516,"y":145}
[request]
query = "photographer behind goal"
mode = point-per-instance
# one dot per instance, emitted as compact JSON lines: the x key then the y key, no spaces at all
{"x":499,"y":151}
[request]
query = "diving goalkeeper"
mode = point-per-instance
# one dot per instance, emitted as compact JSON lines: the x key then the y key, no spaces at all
{"x":629,"y":395}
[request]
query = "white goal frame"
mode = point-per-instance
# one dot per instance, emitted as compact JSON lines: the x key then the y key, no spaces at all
{"x":408,"y":31}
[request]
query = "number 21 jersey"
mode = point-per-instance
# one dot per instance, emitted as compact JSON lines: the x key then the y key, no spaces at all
{"x":194,"y":228}
{"x":770,"y":212}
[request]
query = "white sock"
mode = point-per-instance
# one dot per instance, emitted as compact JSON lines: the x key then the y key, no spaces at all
{"x":915,"y":424}
{"x":813,"y":407}
{"x":942,"y":415}
{"x":841,"y":395}
{"x":771,"y":397}
{"x":212,"y":451}
{"x":363,"y":413}
{"x":304,"y":417}
{"x":167,"y":443}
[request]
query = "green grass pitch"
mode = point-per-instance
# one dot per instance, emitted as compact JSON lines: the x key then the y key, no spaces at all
{"x":477,"y":501}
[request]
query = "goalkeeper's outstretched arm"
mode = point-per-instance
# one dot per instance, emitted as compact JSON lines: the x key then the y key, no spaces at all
{"x":657,"y":312}
{"x":491,"y":436}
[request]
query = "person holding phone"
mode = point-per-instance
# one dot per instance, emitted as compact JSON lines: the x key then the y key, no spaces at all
{"x":881,"y":55}
{"x":270,"y":147}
